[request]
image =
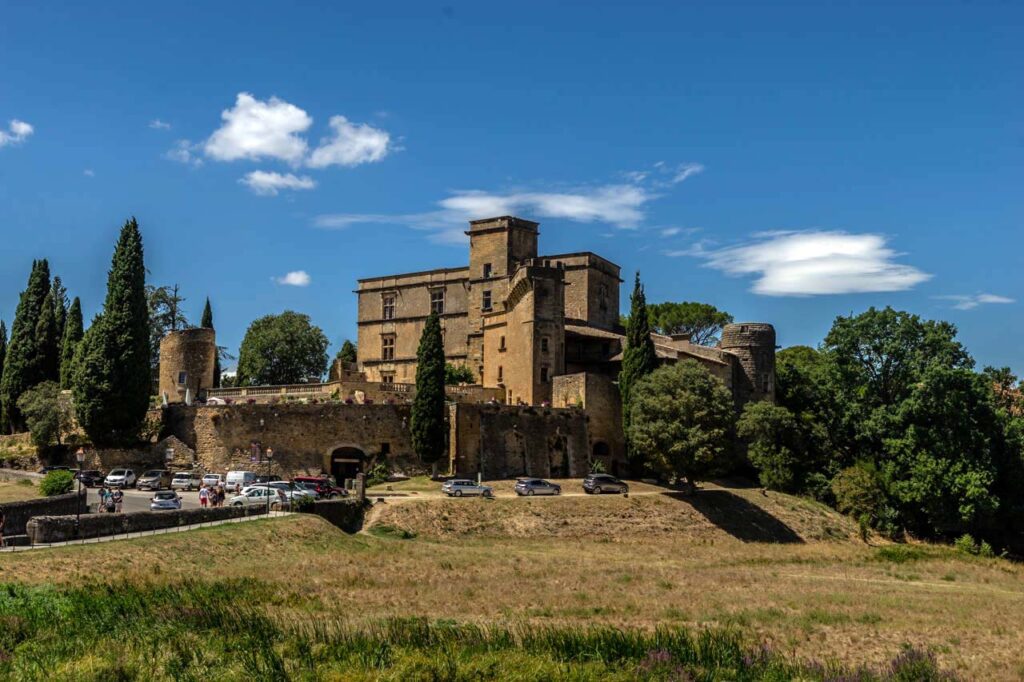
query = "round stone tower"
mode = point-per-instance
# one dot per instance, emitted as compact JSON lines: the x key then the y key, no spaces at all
{"x":187,"y":359}
{"x":753,"y":343}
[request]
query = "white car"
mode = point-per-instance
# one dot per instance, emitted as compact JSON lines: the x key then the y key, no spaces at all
{"x":255,"y":496}
{"x":120,"y":478}
{"x":186,"y":480}
{"x":459,"y":487}
{"x":213,"y":480}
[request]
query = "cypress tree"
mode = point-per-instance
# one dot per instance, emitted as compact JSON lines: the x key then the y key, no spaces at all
{"x":347,"y":352}
{"x":206,"y":322}
{"x":47,"y":341}
{"x":638,"y":358}
{"x":69,"y":343}
{"x":111,"y":380}
{"x":3,"y":356}
{"x":21,"y":366}
{"x":60,"y":305}
{"x":427,"y":424}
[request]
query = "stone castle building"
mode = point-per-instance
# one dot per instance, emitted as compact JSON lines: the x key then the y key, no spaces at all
{"x":541,"y":334}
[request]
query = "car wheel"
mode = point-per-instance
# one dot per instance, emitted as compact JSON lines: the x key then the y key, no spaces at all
{"x":597,"y":490}
{"x":488,"y":493}
{"x":458,"y":493}
{"x":558,"y":491}
{"x":237,"y":504}
{"x":530,"y":492}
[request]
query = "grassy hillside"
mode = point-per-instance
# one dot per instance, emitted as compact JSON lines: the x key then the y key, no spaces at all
{"x":638,"y":563}
{"x":12,"y":491}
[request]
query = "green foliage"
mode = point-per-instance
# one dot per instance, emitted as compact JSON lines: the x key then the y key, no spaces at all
{"x":3,"y":357}
{"x":112,"y":382}
{"x":377,"y":475}
{"x":774,"y":446}
{"x":59,"y":295}
{"x":701,"y":322}
{"x":427,"y":425}
{"x":73,"y":332}
{"x":681,"y":421}
{"x":282,"y":349}
{"x":638,"y":357}
{"x":21,"y":366}
{"x":967,"y":544}
{"x":206,"y":322}
{"x":597,"y":467}
{"x":458,"y":374}
{"x":47,"y":341}
{"x":347,"y":353}
{"x":45,"y":413}
{"x":57,"y":483}
{"x":165,"y":315}
{"x":860,"y":492}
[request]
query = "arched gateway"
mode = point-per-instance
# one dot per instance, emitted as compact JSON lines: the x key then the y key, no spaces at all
{"x":346,"y":461}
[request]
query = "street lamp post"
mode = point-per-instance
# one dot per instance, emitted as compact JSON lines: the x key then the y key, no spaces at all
{"x":270,"y":456}
{"x":80,"y":458}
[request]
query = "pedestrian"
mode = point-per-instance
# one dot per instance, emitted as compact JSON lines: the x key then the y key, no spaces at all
{"x":204,"y":496}
{"x":102,"y":492}
{"x":118,"y":497}
{"x":3,"y":520}
{"x":109,"y":503}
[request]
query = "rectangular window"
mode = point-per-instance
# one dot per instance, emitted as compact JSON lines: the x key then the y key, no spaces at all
{"x":387,"y":378}
{"x":385,"y":449}
{"x":437,"y":301}
{"x":487,"y":270}
{"x":388,"y":307}
{"x":543,"y":375}
{"x":486,"y":305}
{"x":387,"y":348}
{"x":543,"y":344}
{"x":501,"y":374}
{"x":501,"y":343}
{"x":182,"y":378}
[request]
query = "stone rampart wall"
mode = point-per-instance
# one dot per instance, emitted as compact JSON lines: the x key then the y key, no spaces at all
{"x":49,"y":529}
{"x":18,"y":514}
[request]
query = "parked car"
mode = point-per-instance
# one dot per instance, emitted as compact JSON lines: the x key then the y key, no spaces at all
{"x":257,"y":495}
{"x":48,"y":469}
{"x":186,"y":480}
{"x":165,"y":500}
{"x":537,"y":486}
{"x":603,"y":483}
{"x":240,"y":478}
{"x":213,"y":480}
{"x":325,"y":488}
{"x":89,"y":477}
{"x":294,"y":490}
{"x":459,"y":487}
{"x":154,"y":479}
{"x":120,"y":478}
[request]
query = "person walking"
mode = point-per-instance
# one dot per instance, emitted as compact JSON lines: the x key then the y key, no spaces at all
{"x":204,"y":496}
{"x":118,"y":497}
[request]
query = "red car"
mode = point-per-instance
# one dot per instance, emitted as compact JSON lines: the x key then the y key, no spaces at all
{"x":325,"y":488}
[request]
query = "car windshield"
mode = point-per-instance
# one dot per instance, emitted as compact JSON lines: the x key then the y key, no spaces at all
{"x":165,"y":496}
{"x":152,"y":474}
{"x":180,"y":476}
{"x":117,"y":472}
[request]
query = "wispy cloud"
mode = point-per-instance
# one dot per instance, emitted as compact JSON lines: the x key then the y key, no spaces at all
{"x":296,"y":278}
{"x":185,"y":151}
{"x":685,"y":170}
{"x":269,"y":183}
{"x":157,"y":124}
{"x":17,"y":132}
{"x":89,"y":173}
{"x":812,"y":263}
{"x":971,"y":301}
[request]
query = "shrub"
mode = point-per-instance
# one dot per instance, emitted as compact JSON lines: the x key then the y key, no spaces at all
{"x":597,"y":467}
{"x":377,"y":475}
{"x":859,"y":492}
{"x":57,"y":483}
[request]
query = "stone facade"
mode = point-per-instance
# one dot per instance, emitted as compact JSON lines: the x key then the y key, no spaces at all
{"x":187,"y":361}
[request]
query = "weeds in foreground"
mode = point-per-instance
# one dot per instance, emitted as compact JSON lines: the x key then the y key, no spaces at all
{"x":246,"y":630}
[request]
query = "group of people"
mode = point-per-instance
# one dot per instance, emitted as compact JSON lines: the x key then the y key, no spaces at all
{"x":111,"y":500}
{"x":212,"y":496}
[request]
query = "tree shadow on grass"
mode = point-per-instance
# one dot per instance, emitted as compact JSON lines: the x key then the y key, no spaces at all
{"x":738,"y":517}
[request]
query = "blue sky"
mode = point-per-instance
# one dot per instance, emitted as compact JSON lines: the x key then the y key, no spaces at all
{"x":785,"y":162}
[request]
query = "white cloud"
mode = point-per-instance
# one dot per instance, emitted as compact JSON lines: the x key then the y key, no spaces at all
{"x":352,"y":144}
{"x":269,"y":183}
{"x":813,"y":263}
{"x":670,"y":231}
{"x":969,"y":302}
{"x":89,"y":173}
{"x":684,"y":171}
{"x":17,"y":131}
{"x":297,"y":278}
{"x":157,"y":124}
{"x":255,"y":129}
{"x":184,"y":151}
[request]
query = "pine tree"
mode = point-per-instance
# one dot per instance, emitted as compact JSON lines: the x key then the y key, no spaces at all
{"x":347,"y":352}
{"x":69,"y":343}
{"x":21,"y":366}
{"x":428,"y":408}
{"x":638,"y":358}
{"x":60,"y":305}
{"x":3,"y":356}
{"x":111,"y":382}
{"x":47,"y":341}
{"x":207,"y":323}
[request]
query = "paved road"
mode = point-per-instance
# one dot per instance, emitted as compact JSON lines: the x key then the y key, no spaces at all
{"x":138,"y":500}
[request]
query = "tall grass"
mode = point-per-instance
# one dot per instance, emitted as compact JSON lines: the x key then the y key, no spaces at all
{"x":245,"y":630}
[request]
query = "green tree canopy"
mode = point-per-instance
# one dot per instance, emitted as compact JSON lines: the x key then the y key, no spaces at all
{"x":347,"y":353}
{"x":458,"y":374}
{"x":73,"y":333}
{"x":206,"y":322}
{"x":681,"y":421}
{"x":638,"y":357}
{"x":112,"y":366}
{"x":45,"y":413}
{"x":427,"y":425}
{"x":773,"y":443}
{"x":3,"y":357}
{"x":59,"y":294}
{"x":701,"y":322}
{"x":282,"y":349}
{"x":47,"y":341}
{"x":22,"y":368}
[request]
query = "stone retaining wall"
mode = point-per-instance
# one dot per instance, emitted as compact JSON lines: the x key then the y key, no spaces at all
{"x":48,"y":529}
{"x":345,"y":514}
{"x":18,"y":514}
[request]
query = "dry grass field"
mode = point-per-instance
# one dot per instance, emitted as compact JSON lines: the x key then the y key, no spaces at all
{"x":780,"y":569}
{"x":12,"y":491}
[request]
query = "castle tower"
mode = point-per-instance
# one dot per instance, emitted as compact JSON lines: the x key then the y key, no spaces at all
{"x":187,"y":360}
{"x":754,"y":344}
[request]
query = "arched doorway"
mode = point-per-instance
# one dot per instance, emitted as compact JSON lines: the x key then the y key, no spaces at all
{"x":347,"y":462}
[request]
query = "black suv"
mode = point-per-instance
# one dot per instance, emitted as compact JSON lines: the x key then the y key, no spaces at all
{"x":90,"y":478}
{"x":595,"y":484}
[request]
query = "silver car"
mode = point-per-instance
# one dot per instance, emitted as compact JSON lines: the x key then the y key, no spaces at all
{"x":459,"y":487}
{"x":165,"y":500}
{"x":537,"y":486}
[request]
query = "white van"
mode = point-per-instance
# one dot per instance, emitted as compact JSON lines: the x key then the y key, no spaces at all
{"x":240,"y":478}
